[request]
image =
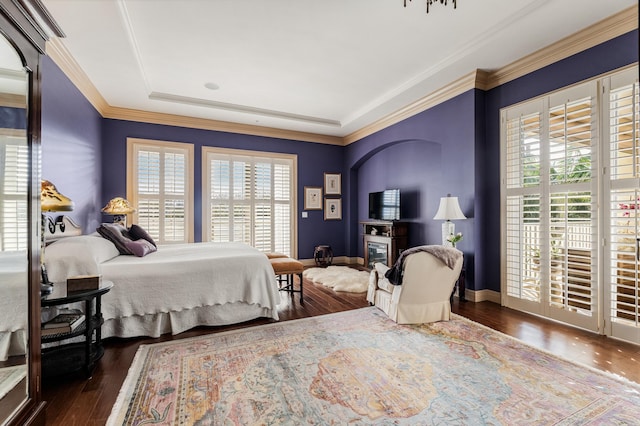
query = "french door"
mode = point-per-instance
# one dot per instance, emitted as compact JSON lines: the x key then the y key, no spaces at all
{"x":571,"y":205}
{"x":622,"y":238}
{"x":550,"y":163}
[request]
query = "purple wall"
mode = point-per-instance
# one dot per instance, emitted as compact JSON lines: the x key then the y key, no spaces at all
{"x":452,"y":148}
{"x":426,"y":156}
{"x":71,"y":144}
{"x":314,"y":160}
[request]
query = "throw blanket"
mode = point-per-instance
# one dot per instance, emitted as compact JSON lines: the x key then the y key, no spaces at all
{"x":448,"y":255}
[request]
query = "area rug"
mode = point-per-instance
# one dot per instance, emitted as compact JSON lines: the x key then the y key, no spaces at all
{"x":339,"y":278}
{"x":359,"y":367}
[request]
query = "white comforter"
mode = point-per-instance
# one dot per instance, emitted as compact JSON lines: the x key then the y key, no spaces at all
{"x":185,"y":276}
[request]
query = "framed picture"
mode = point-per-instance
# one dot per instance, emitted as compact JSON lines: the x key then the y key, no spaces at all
{"x":312,"y":198}
{"x":332,"y":184}
{"x":332,"y":209}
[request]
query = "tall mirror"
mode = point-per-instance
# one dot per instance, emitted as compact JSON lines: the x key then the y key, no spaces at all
{"x":14,"y":231}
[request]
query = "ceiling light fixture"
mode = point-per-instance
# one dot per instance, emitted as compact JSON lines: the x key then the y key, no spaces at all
{"x":430,"y":2}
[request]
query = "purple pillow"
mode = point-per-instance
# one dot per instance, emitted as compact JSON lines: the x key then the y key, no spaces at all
{"x":136,"y":232}
{"x":117,"y":234}
{"x":140,"y":247}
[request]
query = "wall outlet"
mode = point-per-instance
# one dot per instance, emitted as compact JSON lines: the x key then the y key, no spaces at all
{"x":305,"y":215}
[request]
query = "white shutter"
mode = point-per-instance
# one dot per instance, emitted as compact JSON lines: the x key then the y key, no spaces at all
{"x":15,"y":180}
{"x":160,"y":184}
{"x":624,"y":205}
{"x":249,"y":198}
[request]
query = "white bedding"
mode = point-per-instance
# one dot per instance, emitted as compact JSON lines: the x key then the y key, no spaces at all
{"x":13,"y":303}
{"x":175,"y":288}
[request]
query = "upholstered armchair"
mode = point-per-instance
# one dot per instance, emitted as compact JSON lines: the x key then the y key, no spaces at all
{"x":423,"y":296}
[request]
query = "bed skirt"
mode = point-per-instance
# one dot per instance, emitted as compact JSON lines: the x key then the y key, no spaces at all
{"x":175,"y":322}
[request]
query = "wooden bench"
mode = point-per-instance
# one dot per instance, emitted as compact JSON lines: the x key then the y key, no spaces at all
{"x":285,"y":268}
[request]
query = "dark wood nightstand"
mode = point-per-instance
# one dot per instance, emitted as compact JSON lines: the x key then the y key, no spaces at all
{"x":76,"y":356}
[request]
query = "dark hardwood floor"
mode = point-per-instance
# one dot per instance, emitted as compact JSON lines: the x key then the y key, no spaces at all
{"x":80,"y":401}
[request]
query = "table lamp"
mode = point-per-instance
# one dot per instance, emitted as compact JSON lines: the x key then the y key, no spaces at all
{"x":448,"y":210}
{"x":119,"y":208}
{"x":50,"y":201}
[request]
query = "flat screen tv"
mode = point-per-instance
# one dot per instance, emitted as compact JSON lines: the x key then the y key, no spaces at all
{"x":384,"y":205}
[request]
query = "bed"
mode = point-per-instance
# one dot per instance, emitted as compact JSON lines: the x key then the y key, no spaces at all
{"x":173,"y":289}
{"x":13,"y":303}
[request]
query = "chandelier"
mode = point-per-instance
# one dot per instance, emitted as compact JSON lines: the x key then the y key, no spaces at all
{"x":430,"y":2}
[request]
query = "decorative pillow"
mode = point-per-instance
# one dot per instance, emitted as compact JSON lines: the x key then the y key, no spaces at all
{"x":117,"y":234}
{"x":80,"y":255}
{"x":136,"y":232}
{"x":140,"y":247}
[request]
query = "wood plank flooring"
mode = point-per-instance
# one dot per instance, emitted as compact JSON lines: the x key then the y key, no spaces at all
{"x":79,"y":401}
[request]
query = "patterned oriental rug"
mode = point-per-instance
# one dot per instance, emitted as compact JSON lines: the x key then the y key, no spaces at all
{"x":359,"y":367}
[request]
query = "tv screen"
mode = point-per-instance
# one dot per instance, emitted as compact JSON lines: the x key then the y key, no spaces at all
{"x":384,"y":205}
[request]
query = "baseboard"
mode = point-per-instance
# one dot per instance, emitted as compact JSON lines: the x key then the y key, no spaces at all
{"x":340,"y":260}
{"x":482,"y":296}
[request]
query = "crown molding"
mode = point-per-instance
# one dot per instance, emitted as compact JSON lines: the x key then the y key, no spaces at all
{"x":13,"y":101}
{"x":607,"y":29}
{"x":600,"y":32}
{"x":453,"y":89}
{"x":127,"y":114}
{"x":61,"y":56}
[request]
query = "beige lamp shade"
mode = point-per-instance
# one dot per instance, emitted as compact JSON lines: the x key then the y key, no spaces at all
{"x":53,"y":201}
{"x":448,"y":210}
{"x":118,"y":206}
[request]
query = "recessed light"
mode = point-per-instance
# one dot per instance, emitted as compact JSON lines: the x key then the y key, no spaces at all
{"x":211,"y":86}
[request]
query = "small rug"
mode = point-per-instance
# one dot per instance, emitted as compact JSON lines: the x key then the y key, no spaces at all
{"x":359,"y":367}
{"x":339,"y":278}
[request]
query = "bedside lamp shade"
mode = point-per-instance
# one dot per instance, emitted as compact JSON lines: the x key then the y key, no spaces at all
{"x":118,"y":207}
{"x":53,"y":201}
{"x":50,"y":201}
{"x":448,"y":210}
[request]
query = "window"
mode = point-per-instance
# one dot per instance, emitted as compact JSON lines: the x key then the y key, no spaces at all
{"x":160,"y":186}
{"x":250,"y":197}
{"x":14,"y":157}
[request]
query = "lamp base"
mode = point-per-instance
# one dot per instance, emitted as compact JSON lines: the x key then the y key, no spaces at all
{"x":448,"y":228}
{"x":46,"y":288}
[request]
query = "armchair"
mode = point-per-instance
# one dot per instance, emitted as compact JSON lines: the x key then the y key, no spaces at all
{"x":423,"y":297}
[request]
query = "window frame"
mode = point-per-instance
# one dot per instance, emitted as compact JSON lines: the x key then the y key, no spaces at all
{"x":206,"y":187}
{"x":133,"y":145}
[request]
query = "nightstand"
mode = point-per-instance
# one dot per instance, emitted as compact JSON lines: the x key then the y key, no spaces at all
{"x":83,"y":352}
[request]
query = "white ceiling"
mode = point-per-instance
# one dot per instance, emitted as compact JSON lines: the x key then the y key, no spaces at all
{"x":329,"y":67}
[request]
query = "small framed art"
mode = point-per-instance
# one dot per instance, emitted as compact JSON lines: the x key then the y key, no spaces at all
{"x":312,"y":198}
{"x":332,"y":209}
{"x":333,"y":184}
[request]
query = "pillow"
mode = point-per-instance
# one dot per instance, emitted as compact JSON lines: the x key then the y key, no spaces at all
{"x":79,"y":255}
{"x":136,"y":232}
{"x":117,"y":234}
{"x":140,"y":247}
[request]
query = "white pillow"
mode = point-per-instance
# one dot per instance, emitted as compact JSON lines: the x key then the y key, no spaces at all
{"x":81,"y":255}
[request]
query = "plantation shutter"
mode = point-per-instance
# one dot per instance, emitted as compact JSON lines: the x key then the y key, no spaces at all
{"x":549,"y":202}
{"x":624,"y":205}
{"x":572,"y":204}
{"x":523,"y":190}
{"x":162,"y":191}
{"x":250,"y":199}
{"x":15,"y":181}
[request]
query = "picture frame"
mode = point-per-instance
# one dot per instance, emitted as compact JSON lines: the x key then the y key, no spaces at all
{"x":312,"y":198}
{"x":332,"y":209}
{"x":333,"y":184}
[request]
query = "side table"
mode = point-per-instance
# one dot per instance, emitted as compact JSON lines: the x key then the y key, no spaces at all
{"x":78,"y":355}
{"x":461,"y":287}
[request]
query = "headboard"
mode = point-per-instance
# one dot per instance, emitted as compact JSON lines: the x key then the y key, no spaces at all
{"x":63,"y":226}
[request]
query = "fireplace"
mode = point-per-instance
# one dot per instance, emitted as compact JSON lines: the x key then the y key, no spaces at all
{"x":377,"y":252}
